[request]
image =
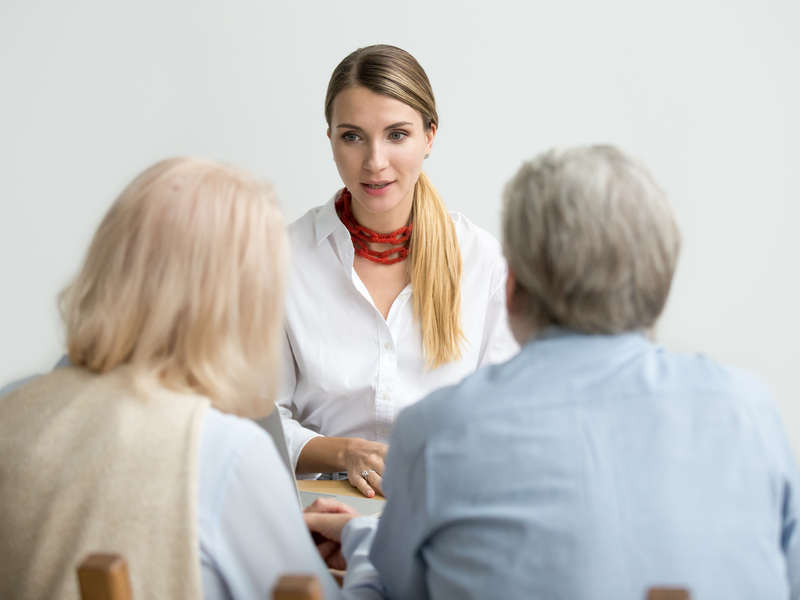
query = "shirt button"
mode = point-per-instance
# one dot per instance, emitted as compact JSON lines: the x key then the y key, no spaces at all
{"x":384,"y":432}
{"x":388,"y":346}
{"x":385,"y":396}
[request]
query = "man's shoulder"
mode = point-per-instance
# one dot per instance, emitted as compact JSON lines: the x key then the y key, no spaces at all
{"x":705,"y":376}
{"x":449,"y":407}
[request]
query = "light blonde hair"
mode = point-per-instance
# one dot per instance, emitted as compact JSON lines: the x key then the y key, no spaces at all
{"x":591,"y":239}
{"x":435,"y":254}
{"x":184,"y":282}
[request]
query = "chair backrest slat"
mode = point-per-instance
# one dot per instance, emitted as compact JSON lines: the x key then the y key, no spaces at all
{"x":104,"y":577}
{"x":663,"y":593}
{"x":297,"y":587}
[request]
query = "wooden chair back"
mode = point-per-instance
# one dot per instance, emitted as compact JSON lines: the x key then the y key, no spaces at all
{"x":663,"y":593}
{"x":104,"y":577}
{"x":297,"y":587}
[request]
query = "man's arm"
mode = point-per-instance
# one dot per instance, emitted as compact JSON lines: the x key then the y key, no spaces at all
{"x":405,"y":523}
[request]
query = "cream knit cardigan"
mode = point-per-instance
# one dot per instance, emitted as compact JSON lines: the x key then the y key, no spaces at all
{"x":87,"y":464}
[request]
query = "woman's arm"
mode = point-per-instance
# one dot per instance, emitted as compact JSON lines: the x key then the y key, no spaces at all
{"x":354,"y":455}
{"x":312,"y":453}
{"x":497,"y":344}
{"x":296,"y":435}
{"x":251,"y":528}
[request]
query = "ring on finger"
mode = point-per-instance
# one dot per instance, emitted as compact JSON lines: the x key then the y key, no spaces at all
{"x":366,"y":473}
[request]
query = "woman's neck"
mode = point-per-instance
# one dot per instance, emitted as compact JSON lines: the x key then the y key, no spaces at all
{"x":382,"y":223}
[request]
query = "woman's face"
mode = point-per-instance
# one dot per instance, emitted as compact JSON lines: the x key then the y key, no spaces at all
{"x":378,"y":144}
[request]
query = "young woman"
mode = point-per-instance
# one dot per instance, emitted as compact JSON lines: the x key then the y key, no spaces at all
{"x":127,"y":448}
{"x":390,"y":295}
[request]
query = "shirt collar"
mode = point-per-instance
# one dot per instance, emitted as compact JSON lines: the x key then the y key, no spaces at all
{"x":327,"y":219}
{"x":555,"y":331}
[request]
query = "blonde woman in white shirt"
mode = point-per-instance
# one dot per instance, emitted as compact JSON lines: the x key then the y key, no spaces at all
{"x":390,"y":295}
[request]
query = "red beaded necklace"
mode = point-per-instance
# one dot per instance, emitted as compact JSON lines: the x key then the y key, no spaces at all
{"x":362,"y":235}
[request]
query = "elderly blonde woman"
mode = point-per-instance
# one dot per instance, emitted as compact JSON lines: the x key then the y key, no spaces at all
{"x":173,"y":321}
{"x":609,"y":465}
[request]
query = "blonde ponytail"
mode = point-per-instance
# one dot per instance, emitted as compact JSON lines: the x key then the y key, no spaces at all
{"x":436,"y":276}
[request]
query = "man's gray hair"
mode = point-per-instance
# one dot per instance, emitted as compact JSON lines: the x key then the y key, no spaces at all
{"x":591,"y":240}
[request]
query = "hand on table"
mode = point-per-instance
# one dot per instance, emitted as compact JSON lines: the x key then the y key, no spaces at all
{"x":323,"y":454}
{"x":361,"y":456}
{"x":325,"y":519}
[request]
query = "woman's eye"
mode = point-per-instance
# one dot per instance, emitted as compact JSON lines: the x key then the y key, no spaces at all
{"x":397,"y":136}
{"x":350,"y":137}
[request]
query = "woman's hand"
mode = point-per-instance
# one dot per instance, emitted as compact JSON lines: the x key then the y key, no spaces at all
{"x":361,"y":456}
{"x":354,"y":455}
{"x":325,"y":519}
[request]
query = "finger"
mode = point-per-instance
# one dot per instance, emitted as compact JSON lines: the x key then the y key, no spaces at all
{"x":336,"y":506}
{"x":337,"y":561}
{"x":357,"y":481}
{"x":331,"y":553}
{"x":329,"y":505}
{"x":320,"y":528}
{"x":341,"y":508}
{"x":377,"y":482}
{"x":327,"y":549}
{"x":329,"y":525}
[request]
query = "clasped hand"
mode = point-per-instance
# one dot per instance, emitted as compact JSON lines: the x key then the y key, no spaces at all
{"x":325,"y":519}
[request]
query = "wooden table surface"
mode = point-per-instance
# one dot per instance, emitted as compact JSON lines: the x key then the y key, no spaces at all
{"x":342,"y":487}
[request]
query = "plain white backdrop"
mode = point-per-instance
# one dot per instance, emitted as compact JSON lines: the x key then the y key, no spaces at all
{"x":707,"y":93}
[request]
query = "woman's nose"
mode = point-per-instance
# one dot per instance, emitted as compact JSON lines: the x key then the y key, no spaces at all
{"x":376,"y":159}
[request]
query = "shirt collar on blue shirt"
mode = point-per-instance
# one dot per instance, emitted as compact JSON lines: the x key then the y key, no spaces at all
{"x":556,"y":331}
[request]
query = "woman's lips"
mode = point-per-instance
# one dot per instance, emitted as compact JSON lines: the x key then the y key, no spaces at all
{"x":377,"y":191}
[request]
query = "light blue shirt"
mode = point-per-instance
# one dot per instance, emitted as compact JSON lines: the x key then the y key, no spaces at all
{"x":250,"y":527}
{"x":592,"y":467}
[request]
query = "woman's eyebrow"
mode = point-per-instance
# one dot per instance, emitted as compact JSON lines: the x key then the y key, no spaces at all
{"x":399,"y":124}
{"x":356,"y":127}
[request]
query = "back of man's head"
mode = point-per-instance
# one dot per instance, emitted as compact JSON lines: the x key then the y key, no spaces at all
{"x":591,"y":241}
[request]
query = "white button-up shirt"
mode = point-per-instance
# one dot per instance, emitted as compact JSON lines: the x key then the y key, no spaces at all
{"x":347,"y":371}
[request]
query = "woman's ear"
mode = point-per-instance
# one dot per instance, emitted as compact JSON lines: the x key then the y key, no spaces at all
{"x":429,"y":135}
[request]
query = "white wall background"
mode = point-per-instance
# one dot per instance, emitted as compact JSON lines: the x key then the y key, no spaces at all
{"x":707,"y":93}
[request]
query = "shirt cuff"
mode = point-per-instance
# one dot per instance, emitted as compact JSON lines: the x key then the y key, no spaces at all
{"x":361,"y":575}
{"x":297,"y":437}
{"x":305,"y":476}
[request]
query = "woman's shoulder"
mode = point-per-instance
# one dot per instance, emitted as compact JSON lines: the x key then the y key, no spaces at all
{"x":481,"y":253}
{"x":226,"y":445}
{"x":224,"y":440}
{"x":472,"y":237}
{"x":224,"y":435}
{"x":307,"y":227}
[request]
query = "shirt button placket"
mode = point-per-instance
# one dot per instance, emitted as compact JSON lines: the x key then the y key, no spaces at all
{"x":386,"y":383}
